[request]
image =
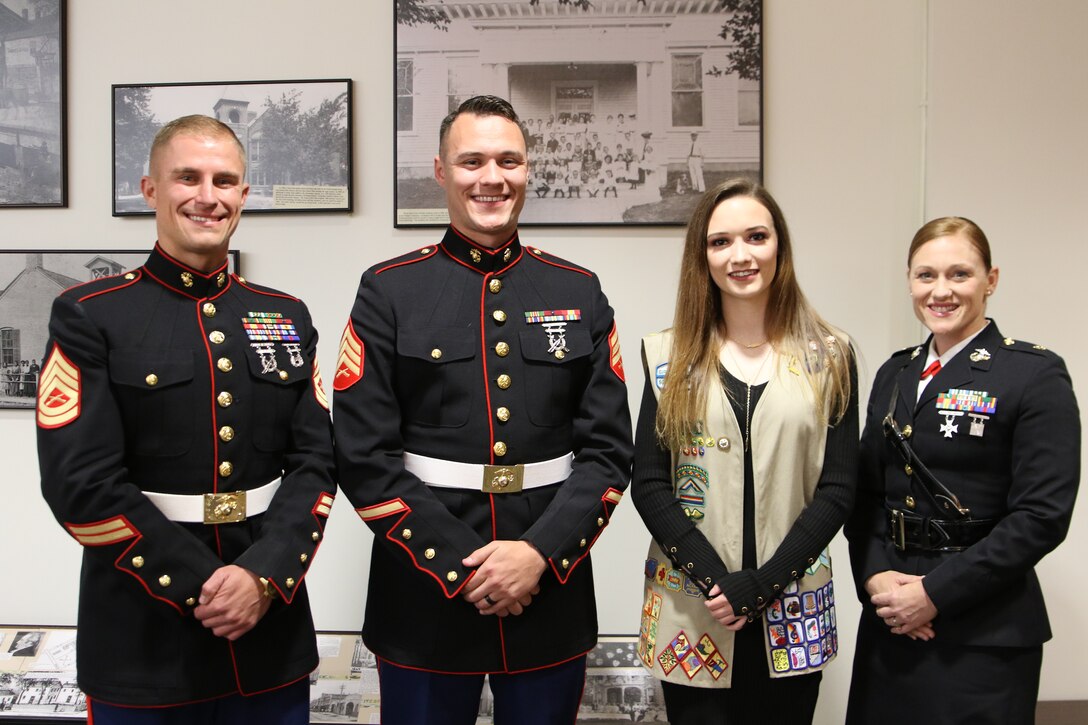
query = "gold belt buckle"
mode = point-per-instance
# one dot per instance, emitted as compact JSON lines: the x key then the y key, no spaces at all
{"x":503,"y":479}
{"x":899,"y":530}
{"x":224,"y":508}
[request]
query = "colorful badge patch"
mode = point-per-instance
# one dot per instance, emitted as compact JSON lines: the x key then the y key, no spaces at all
{"x":802,"y":632}
{"x":552,"y":316}
{"x":672,"y":580}
{"x":269,"y":326}
{"x":58,"y":391}
{"x":647,"y":635}
{"x":615,"y":359}
{"x":968,"y":401}
{"x":349,"y":361}
{"x":659,"y":375}
{"x":823,"y":560}
{"x":691,"y":485}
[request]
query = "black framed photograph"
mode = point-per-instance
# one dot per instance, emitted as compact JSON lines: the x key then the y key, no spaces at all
{"x":29,"y":281}
{"x":33,"y":132}
{"x":296,"y":135}
{"x":630,"y":108}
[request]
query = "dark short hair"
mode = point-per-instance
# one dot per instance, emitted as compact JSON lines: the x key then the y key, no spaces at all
{"x":479,"y":106}
{"x":194,"y":125}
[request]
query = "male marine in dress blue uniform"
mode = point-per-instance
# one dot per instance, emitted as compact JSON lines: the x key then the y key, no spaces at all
{"x":483,"y":434}
{"x":184,"y":441}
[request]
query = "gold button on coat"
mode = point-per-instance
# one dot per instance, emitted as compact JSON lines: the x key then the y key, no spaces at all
{"x":224,"y":399}
{"x":226,"y":468}
{"x":499,"y":448}
{"x":406,"y":534}
{"x":451,"y":576}
{"x":208,"y":309}
{"x":152,"y":379}
{"x":494,"y":285}
{"x":217,"y":337}
{"x":315,"y":535}
{"x":565,"y":564}
{"x":130,"y":275}
{"x":137,"y":561}
{"x":582,"y":543}
{"x":600,"y":522}
{"x":559,"y":354}
{"x":283,"y":375}
{"x":303,"y":558}
{"x":503,"y":414}
{"x":289,"y":582}
{"x":436,"y":354}
{"x":429,"y":553}
{"x":224,"y":364}
{"x":499,"y":316}
{"x":226,"y":434}
{"x":907,"y":430}
{"x":909,"y":501}
{"x":191,"y":601}
{"x":503,"y":381}
{"x":907,"y":469}
{"x":502,"y":349}
{"x":164,"y":580}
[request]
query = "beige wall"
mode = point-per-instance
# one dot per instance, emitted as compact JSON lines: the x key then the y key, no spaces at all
{"x":877,"y":116}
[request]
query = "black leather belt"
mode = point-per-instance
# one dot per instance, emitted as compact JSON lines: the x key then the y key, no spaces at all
{"x":910,"y":532}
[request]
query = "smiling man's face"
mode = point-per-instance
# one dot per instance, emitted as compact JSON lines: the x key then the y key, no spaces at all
{"x":196,"y":185}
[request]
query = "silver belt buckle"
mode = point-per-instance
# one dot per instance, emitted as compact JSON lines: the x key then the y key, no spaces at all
{"x":224,"y":508}
{"x":899,"y":530}
{"x":503,"y":479}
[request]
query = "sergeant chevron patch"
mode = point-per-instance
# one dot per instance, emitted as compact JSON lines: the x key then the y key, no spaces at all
{"x":349,"y":363}
{"x":615,"y":359}
{"x":319,"y":386}
{"x":58,"y":391}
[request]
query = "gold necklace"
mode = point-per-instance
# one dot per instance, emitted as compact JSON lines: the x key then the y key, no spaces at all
{"x":748,"y":394}
{"x":746,"y":345}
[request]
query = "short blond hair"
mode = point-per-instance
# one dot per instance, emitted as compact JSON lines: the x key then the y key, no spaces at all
{"x":194,"y":125}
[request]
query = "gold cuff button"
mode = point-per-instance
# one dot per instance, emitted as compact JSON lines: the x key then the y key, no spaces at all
{"x":217,"y":337}
{"x":316,"y":535}
{"x":499,"y":316}
{"x":503,"y":381}
{"x":190,"y":602}
{"x":208,"y":309}
{"x":600,"y":522}
{"x":503,"y":414}
{"x":495,"y":285}
{"x":130,"y":275}
{"x":406,"y":534}
{"x":152,"y":379}
{"x":226,"y":468}
{"x":224,"y":365}
{"x":582,"y":543}
{"x":137,"y":561}
{"x":303,"y":558}
{"x":164,"y":580}
{"x":226,"y":434}
{"x":224,"y":399}
{"x":451,"y":576}
{"x":425,"y":250}
{"x":289,"y":583}
{"x":502,"y":349}
{"x":565,"y":564}
{"x":429,"y":553}
{"x":499,"y":448}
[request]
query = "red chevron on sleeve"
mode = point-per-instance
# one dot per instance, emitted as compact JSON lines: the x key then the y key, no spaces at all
{"x":349,"y":363}
{"x":58,"y":391}
{"x":615,"y":359}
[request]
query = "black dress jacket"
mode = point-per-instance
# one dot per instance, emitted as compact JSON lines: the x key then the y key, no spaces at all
{"x":447,"y":355}
{"x":1018,"y":464}
{"x":173,"y":381}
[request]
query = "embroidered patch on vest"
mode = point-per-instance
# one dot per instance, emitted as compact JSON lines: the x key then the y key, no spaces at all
{"x":802,"y":630}
{"x":350,"y":360}
{"x":58,"y":391}
{"x":691,"y":485}
{"x":712,"y":658}
{"x":647,"y":633}
{"x":659,"y":375}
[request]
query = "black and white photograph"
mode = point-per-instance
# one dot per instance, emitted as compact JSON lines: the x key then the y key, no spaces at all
{"x":25,"y":644}
{"x":630,"y":108}
{"x":33,"y":147}
{"x":29,"y":280}
{"x":296,"y":136}
{"x":40,"y":685}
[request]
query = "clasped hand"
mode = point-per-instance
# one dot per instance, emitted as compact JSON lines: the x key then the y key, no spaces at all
{"x":232,"y":601}
{"x":506,"y":579}
{"x":902,"y":602}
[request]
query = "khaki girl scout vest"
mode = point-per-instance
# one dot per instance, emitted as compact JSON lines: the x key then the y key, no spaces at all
{"x":678,"y":640}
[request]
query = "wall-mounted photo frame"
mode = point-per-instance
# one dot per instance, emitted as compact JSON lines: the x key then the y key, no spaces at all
{"x":33,"y":128}
{"x":29,"y":281}
{"x":630,"y":108}
{"x":297,"y":137}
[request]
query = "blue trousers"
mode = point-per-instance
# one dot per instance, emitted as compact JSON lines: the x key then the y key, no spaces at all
{"x":548,"y":696}
{"x":288,"y":705}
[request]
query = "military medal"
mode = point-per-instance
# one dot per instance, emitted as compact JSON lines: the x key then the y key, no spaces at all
{"x":267,"y":353}
{"x":978,"y":421}
{"x":949,"y":426}
{"x":295,"y":351}
{"x":978,"y":404}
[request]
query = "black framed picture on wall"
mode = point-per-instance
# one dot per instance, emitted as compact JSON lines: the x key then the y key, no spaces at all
{"x":33,"y":131}
{"x":296,"y":136}
{"x":630,"y":108}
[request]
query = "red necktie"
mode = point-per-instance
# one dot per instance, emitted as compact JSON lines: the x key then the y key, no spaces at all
{"x":933,"y":369}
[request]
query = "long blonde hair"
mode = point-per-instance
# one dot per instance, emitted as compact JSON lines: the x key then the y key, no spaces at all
{"x":797,"y":332}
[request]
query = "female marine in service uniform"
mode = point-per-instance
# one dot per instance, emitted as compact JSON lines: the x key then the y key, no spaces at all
{"x":745,"y":463}
{"x":969,"y":468}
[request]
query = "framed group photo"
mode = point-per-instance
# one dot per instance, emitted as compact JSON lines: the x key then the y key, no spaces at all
{"x":30,"y":279}
{"x":33,"y":133}
{"x":630,"y":108}
{"x":296,"y":135}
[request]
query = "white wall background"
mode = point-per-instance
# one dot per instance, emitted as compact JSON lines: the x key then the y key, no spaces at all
{"x":877,"y":117}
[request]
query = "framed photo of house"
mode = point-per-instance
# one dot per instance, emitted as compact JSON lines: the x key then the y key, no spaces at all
{"x":29,"y":281}
{"x":630,"y":108}
{"x":296,"y":134}
{"x":33,"y":132}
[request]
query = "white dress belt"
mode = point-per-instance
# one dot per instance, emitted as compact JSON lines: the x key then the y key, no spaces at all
{"x":488,"y":478}
{"x":215,"y":508}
